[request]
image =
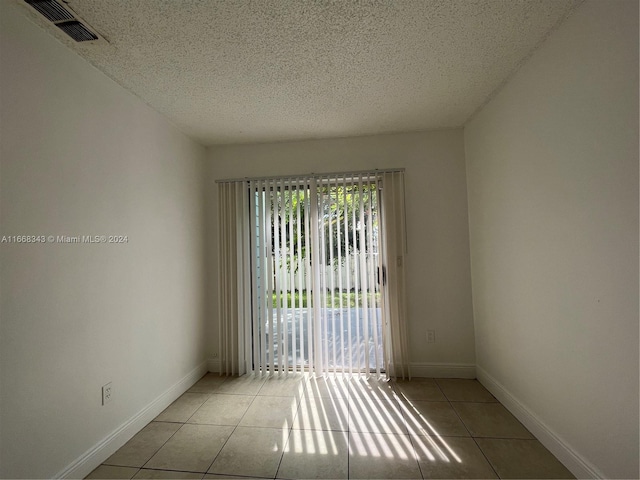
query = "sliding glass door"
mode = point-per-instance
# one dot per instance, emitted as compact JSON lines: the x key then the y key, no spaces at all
{"x":304,"y":282}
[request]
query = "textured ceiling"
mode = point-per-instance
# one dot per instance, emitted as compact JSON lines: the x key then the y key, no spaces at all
{"x":256,"y":70}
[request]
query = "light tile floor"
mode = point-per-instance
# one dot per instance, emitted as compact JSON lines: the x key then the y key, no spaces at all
{"x":295,"y":426}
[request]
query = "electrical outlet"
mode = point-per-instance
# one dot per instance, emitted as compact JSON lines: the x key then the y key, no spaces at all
{"x":107,"y":393}
{"x":215,"y":355}
{"x":431,"y":336}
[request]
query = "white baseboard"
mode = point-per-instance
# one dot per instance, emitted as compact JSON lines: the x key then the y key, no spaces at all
{"x":580,"y":467}
{"x":97,"y":454}
{"x":443,"y":370}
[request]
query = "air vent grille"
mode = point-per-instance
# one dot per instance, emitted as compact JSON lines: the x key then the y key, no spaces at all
{"x":77,"y":31}
{"x":64,"y":18}
{"x":51,"y":9}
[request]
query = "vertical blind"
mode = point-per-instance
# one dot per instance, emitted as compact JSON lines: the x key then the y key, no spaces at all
{"x":304,"y":283}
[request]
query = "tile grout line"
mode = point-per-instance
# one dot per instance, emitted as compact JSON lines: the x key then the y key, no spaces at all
{"x":404,"y":419}
{"x":183,"y":424}
{"x":257,"y":394}
{"x":210,"y":394}
{"x":410,"y":436}
{"x":275,"y":475}
{"x":449,"y":401}
{"x":232,"y":431}
{"x":467,"y":429}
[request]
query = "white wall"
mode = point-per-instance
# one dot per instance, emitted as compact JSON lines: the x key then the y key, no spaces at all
{"x":439,"y":293}
{"x":552,"y":172}
{"x":81,"y":156}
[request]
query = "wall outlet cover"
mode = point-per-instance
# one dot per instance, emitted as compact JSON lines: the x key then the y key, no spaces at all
{"x":107,"y":393}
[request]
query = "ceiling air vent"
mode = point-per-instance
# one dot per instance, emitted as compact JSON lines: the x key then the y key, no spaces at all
{"x":77,"y":31}
{"x":51,"y":9}
{"x":64,"y":18}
